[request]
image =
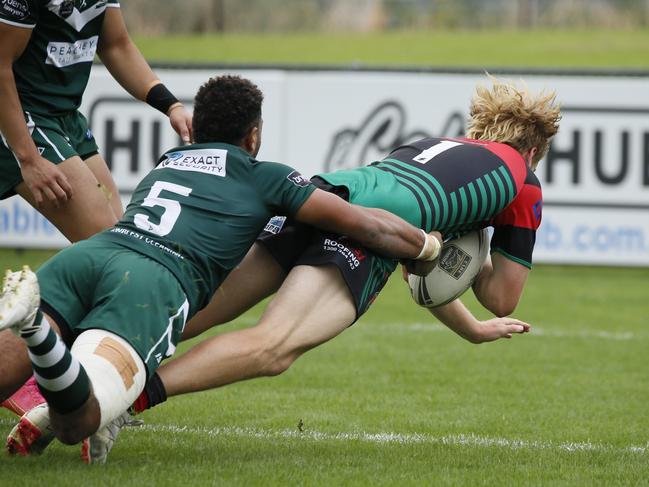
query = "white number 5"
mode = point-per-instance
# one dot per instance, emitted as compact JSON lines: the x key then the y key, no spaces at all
{"x":171,"y":208}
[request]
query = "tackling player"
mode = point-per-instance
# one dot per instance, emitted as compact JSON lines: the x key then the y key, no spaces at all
{"x":113,"y":306}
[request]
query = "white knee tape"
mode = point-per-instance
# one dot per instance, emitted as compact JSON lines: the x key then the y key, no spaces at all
{"x":115,"y":370}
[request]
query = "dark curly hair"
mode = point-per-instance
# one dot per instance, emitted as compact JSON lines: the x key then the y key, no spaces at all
{"x":225,"y":109}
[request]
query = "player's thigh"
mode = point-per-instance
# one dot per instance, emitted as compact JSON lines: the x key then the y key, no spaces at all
{"x":255,"y":278}
{"x":313,"y":305}
{"x":88,"y":211}
{"x":98,"y":167}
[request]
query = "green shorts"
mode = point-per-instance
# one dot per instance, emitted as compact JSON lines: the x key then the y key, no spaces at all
{"x":96,"y":284}
{"x":56,"y":138}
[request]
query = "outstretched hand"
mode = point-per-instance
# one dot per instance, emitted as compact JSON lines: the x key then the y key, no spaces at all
{"x":181,"y":121}
{"x":496,"y":328}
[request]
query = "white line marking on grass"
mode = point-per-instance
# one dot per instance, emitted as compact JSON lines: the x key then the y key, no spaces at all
{"x":386,"y":438}
{"x":469,"y":439}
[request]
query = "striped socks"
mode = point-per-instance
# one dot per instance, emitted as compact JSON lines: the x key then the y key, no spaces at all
{"x":60,"y":377}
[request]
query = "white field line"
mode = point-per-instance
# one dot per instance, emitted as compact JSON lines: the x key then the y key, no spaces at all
{"x":468,"y":440}
{"x":536,"y":331}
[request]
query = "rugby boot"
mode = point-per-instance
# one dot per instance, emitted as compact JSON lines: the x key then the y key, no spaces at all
{"x":96,"y":448}
{"x":19,"y":300}
{"x":32,"y":434}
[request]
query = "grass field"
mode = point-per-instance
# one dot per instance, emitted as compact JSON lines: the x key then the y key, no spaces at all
{"x":550,"y":49}
{"x":400,"y":400}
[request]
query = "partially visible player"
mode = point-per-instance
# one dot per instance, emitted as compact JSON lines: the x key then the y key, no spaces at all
{"x":324,"y":282}
{"x":48,"y":154}
{"x":120,"y":299}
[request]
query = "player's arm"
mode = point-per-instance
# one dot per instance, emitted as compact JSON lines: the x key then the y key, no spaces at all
{"x":380,"y":230}
{"x":459,"y":319}
{"x":126,"y":64}
{"x":500,"y":284}
{"x":44,"y":179}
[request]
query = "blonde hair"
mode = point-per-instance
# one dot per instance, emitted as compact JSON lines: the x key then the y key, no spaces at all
{"x":514,"y":116}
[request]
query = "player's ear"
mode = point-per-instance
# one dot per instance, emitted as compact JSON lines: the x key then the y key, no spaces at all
{"x":252,"y":140}
{"x":529,"y":157}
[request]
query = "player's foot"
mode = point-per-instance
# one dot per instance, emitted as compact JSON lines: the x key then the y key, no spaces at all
{"x":32,"y":434}
{"x":96,"y":448}
{"x":25,"y":398}
{"x":19,"y":300}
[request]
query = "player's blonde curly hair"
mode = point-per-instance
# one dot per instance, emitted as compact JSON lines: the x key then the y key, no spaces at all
{"x":514,"y":116}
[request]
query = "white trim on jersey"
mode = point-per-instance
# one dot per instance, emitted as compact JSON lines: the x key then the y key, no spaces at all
{"x":113,"y":5}
{"x":17,"y":24}
{"x":50,"y":142}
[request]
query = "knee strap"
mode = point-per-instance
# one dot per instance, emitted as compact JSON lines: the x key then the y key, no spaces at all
{"x":115,"y":370}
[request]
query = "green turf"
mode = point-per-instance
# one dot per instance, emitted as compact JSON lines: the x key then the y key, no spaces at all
{"x":564,"y":405}
{"x":478,"y":49}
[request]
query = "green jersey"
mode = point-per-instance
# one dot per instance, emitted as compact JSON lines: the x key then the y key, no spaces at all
{"x":200,"y":210}
{"x":53,"y":71}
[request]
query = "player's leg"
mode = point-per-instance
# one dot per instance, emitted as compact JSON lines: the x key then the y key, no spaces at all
{"x":88,"y":211}
{"x":258,"y":276}
{"x":312,"y":306}
{"x":98,"y":167}
{"x":61,"y":379}
{"x":116,"y":374}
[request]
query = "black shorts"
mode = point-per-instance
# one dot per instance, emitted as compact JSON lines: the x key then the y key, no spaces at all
{"x":292,"y":243}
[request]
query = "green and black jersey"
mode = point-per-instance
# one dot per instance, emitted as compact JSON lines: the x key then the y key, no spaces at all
{"x":53,"y":71}
{"x":453,"y":186}
{"x":199,"y":211}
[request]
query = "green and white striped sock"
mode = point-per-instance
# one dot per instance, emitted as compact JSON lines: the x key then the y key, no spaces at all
{"x":60,"y":377}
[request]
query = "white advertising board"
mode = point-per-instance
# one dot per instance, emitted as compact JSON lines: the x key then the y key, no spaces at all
{"x":595,"y":178}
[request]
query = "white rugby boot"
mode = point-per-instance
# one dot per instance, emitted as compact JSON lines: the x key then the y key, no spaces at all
{"x":19,"y":300}
{"x":96,"y":448}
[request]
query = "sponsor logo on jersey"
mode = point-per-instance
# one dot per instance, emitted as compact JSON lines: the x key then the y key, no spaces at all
{"x":66,"y":10}
{"x":353,"y":256}
{"x":538,"y":208}
{"x":89,"y":134}
{"x":40,"y":150}
{"x":297,"y":179}
{"x":275,"y":224}
{"x":454,"y":261}
{"x":15,"y":9}
{"x":208,"y":161}
{"x":62,"y":54}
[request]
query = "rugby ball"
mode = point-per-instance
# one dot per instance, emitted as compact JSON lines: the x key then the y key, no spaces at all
{"x":458,"y":266}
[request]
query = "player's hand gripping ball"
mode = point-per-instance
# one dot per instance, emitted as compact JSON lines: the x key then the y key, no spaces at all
{"x":455,"y":270}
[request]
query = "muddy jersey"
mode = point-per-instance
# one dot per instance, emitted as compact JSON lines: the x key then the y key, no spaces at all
{"x":52,"y":73}
{"x":453,"y":186}
{"x":199,"y":211}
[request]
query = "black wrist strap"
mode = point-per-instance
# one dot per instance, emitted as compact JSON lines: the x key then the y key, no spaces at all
{"x":160,"y":98}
